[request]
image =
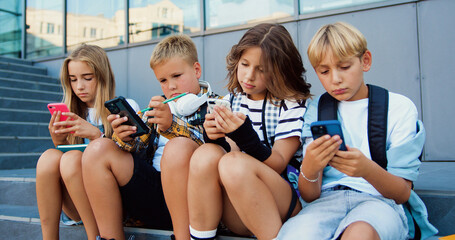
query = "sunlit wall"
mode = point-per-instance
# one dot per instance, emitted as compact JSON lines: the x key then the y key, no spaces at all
{"x":55,"y":27}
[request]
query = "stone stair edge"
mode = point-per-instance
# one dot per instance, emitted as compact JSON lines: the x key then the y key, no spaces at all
{"x":16,"y":60}
{"x":57,"y":84}
{"x":23,"y":65}
{"x":31,"y":90}
{"x":30,"y":74}
{"x":24,"y":99}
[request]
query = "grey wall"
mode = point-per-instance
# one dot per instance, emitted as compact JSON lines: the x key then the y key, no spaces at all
{"x":437,"y":66}
{"x":413,"y":54}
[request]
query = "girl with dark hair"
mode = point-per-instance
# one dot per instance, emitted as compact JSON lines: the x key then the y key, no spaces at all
{"x":240,"y":183}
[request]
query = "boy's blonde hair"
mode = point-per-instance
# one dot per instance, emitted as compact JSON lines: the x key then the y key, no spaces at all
{"x":343,"y":39}
{"x":174,"y":46}
{"x":95,"y":57}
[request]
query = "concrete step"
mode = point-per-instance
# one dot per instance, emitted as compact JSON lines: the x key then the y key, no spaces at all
{"x":51,"y":96}
{"x":15,"y":228}
{"x":20,"y":144}
{"x":435,"y":187}
{"x":30,"y":129}
{"x":17,"y":191}
{"x":22,"y":68}
{"x":27,"y":84}
{"x":28,"y":76}
{"x":18,"y":160}
{"x":23,"y":103}
{"x":15,"y":60}
{"x":20,"y":115}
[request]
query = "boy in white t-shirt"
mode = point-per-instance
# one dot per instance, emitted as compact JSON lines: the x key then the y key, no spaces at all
{"x":349,"y":195}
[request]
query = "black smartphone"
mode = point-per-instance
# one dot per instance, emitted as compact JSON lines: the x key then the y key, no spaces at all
{"x":120,"y":106}
{"x":331,"y":127}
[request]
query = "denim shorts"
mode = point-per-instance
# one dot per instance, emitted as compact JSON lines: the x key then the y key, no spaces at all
{"x":329,"y":215}
{"x":142,"y":197}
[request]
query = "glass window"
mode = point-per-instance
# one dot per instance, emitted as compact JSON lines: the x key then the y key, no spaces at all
{"x":224,"y":13}
{"x":310,"y":6}
{"x":11,"y":30}
{"x":42,"y":17}
{"x":87,"y":18}
{"x":151,"y":19}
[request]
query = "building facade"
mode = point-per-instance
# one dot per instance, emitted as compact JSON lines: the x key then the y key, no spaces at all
{"x":411,"y":42}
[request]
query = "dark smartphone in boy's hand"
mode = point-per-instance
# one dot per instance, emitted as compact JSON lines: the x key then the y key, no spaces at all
{"x":331,"y":127}
{"x":120,"y":106}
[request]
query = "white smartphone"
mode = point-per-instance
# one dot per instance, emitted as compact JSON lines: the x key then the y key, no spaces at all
{"x":212,"y":102}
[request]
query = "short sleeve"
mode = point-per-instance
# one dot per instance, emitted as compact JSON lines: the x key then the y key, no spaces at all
{"x":406,"y":138}
{"x":290,"y":122}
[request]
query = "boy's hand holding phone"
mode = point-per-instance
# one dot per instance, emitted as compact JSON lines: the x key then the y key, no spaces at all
{"x":160,"y":114}
{"x":123,"y":131}
{"x":124,"y":120}
{"x":319,"y":153}
{"x":352,"y":163}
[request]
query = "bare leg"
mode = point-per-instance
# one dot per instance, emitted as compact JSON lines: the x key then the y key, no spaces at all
{"x":71,"y":171}
{"x":205,"y":194}
{"x":105,"y":167}
{"x":175,"y":164}
{"x":360,"y":230}
{"x":49,"y":192}
{"x":260,"y":196}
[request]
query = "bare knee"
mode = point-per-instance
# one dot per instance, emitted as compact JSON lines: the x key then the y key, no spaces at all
{"x":360,"y":230}
{"x":98,"y":149}
{"x":205,"y":160}
{"x":177,"y":154}
{"x":71,"y":165}
{"x":234,"y":169}
{"x":49,"y":163}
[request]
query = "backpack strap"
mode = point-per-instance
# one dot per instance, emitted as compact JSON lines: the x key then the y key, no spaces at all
{"x":378,"y":107}
{"x":327,"y":108}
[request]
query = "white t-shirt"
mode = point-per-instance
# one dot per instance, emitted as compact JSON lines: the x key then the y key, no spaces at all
{"x":353,"y":115}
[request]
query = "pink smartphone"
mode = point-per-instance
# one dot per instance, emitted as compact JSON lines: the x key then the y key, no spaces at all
{"x":54,"y":107}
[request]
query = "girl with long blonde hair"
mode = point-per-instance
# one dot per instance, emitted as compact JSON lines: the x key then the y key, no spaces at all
{"x":88,"y":81}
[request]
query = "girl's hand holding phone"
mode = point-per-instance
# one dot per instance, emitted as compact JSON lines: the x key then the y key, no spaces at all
{"x":77,"y":126}
{"x":210,"y":127}
{"x":57,"y":138}
{"x":226,"y":120}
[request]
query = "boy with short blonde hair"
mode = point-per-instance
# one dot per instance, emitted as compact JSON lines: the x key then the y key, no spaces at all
{"x":350,"y":194}
{"x":174,"y":46}
{"x":125,"y":174}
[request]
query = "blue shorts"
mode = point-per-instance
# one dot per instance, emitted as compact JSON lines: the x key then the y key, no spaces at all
{"x":329,"y":215}
{"x":142,"y":196}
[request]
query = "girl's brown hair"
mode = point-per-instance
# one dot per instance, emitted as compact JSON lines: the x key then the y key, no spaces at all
{"x":97,"y":60}
{"x":283,"y":66}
